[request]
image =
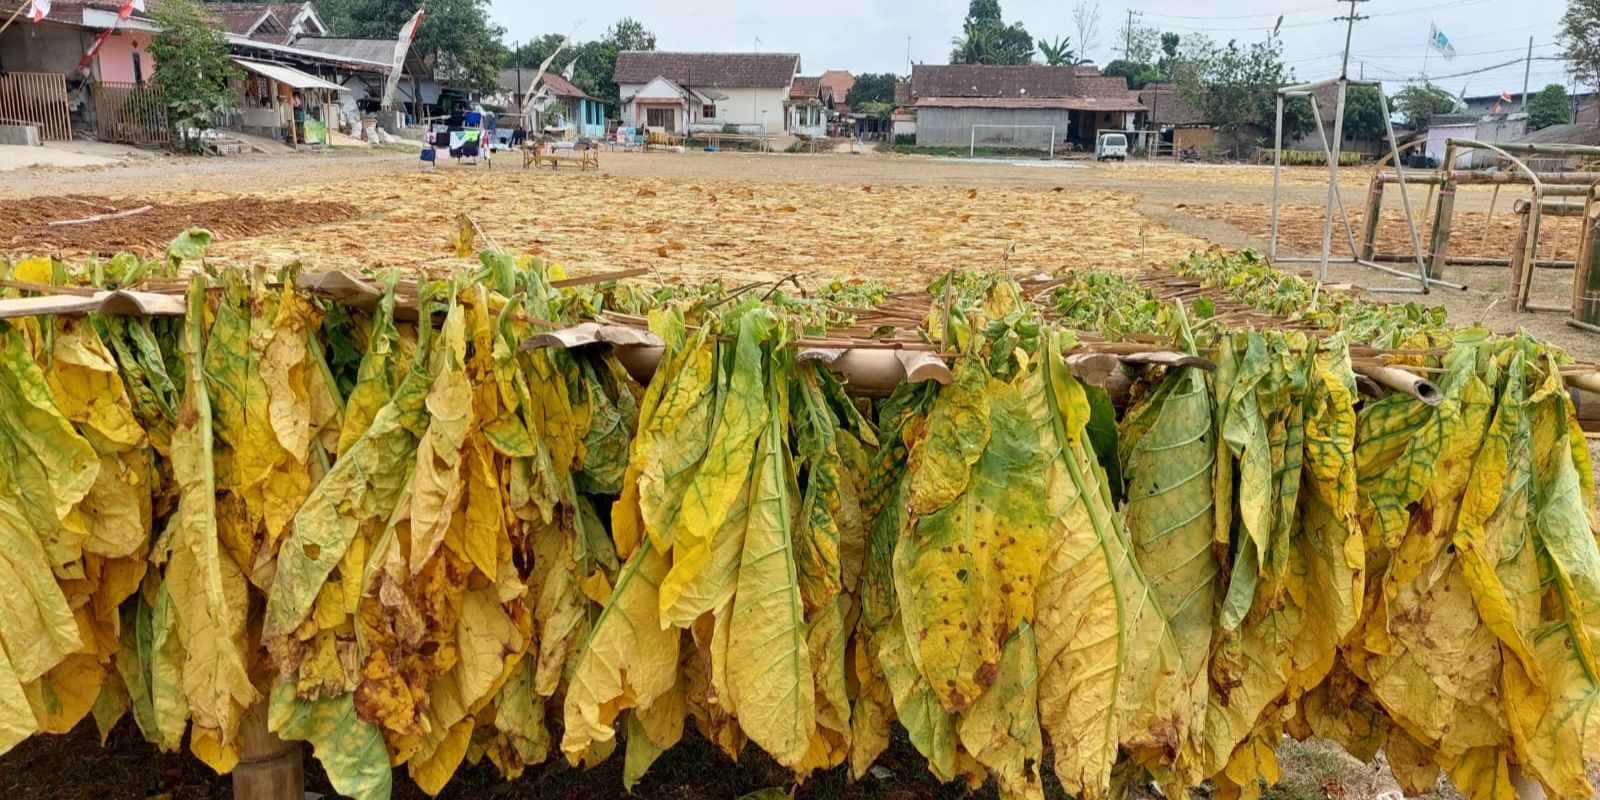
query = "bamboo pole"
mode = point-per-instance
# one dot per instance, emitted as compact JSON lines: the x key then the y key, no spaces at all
{"x":1443,"y":218}
{"x":1586,"y":277}
{"x":1374,"y":212}
{"x":1401,"y":381}
{"x":1466,"y":177}
{"x":269,"y":768}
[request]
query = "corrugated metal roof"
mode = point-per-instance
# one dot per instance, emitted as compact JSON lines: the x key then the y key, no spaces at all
{"x":288,"y":75}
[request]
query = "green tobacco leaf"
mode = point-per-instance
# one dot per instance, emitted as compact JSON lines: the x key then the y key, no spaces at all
{"x":349,"y":748}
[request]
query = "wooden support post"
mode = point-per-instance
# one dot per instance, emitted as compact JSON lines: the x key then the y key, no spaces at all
{"x":1369,"y":241}
{"x":1586,"y":275}
{"x":1439,"y":242}
{"x":1519,"y":263}
{"x":1530,"y":252}
{"x":269,"y":768}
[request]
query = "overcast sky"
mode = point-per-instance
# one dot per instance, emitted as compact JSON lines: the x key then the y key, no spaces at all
{"x":871,"y":35}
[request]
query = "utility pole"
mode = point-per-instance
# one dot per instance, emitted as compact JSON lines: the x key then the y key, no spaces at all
{"x":1127,"y":35}
{"x":1527,"y":67}
{"x":908,"y":55}
{"x":1350,"y":27}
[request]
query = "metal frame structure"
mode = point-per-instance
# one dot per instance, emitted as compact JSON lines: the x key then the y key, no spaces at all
{"x":1332,"y":148}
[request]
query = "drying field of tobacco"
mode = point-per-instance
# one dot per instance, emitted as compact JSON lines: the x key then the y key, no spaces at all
{"x":1477,"y":233}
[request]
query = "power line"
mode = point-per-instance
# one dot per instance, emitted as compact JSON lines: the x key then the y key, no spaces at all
{"x":1220,"y":17}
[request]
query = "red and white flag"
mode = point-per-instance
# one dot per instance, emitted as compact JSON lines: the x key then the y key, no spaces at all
{"x":128,"y":7}
{"x":88,"y":57}
{"x":1506,"y":96}
{"x":402,"y":44}
{"x":38,"y":9}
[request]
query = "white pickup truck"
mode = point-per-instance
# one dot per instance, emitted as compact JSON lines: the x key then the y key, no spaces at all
{"x":1111,"y":145}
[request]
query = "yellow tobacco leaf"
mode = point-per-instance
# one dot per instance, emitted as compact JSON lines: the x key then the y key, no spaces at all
{"x":628,"y":661}
{"x":208,"y":589}
{"x":723,"y":476}
{"x":1001,"y":728}
{"x":439,"y":484}
{"x":1106,"y":661}
{"x":63,"y":696}
{"x":966,"y":572}
{"x":825,"y":641}
{"x":769,"y":668}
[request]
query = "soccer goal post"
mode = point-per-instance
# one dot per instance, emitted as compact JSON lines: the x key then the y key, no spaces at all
{"x":1012,"y":141}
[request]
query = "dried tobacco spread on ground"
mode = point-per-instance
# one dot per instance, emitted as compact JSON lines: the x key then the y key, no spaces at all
{"x":425,"y":544}
{"x":26,"y":225}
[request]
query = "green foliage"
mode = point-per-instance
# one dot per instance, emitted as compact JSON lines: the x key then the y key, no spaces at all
{"x":195,"y":70}
{"x":873,"y":87}
{"x":457,"y":34}
{"x":1057,"y":53}
{"x":1418,"y":104}
{"x":1363,"y":114}
{"x":1232,"y":85}
{"x":1580,"y":40}
{"x":1298,"y":117}
{"x":1549,"y":106}
{"x":1135,"y":73}
{"x":986,"y":39}
{"x":596,"y":60}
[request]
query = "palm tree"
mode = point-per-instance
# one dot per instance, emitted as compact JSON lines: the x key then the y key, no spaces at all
{"x":1057,"y":53}
{"x":976,"y":47}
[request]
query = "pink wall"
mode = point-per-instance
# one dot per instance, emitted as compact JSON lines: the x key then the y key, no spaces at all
{"x":116,"y":57}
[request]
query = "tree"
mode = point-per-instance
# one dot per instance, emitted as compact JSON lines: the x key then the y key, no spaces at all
{"x":1580,"y":39}
{"x":595,"y":61}
{"x":1140,"y":44}
{"x":194,"y":69}
{"x":986,"y":39}
{"x":457,"y":35}
{"x":1549,"y":106}
{"x":873,"y":87}
{"x":1058,"y":53}
{"x":1418,"y":105}
{"x":1086,"y":19}
{"x":1136,"y":74}
{"x":1363,"y":114}
{"x":1232,"y":85}
{"x":630,"y":34}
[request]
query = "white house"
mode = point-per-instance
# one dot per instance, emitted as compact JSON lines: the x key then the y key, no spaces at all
{"x":689,"y":92}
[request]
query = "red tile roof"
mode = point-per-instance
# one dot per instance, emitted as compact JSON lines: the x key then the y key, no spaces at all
{"x":806,"y":89}
{"x":1069,"y":103}
{"x":1168,"y":106}
{"x":762,"y":70}
{"x":840,"y":81}
{"x":238,"y":18}
{"x":1079,"y":88}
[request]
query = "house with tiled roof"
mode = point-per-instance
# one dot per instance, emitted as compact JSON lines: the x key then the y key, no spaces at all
{"x":1020,"y":106}
{"x":806,"y":112}
{"x":685,"y":92}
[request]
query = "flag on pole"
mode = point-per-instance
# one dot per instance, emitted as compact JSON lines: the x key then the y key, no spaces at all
{"x":1438,"y":41}
{"x":402,"y":45}
{"x":38,"y":9}
{"x":88,"y":56}
{"x":572,"y":67}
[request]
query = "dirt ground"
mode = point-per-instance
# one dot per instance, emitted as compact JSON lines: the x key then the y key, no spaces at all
{"x":694,"y":217}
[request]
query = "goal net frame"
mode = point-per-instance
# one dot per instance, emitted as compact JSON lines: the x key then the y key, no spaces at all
{"x":972,"y":149}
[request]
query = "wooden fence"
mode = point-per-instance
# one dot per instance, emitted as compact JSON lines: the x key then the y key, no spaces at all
{"x":131,"y":113}
{"x":36,"y":98}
